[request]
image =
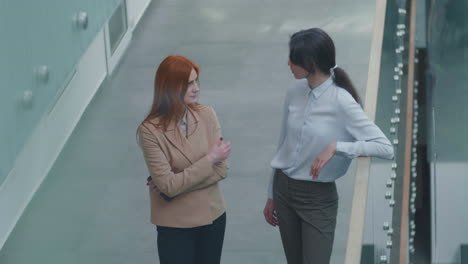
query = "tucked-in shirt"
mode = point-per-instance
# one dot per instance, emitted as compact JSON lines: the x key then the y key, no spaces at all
{"x":314,"y":118}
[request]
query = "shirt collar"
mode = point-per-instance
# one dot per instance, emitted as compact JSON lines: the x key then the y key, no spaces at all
{"x":184,"y":119}
{"x":319,"y":90}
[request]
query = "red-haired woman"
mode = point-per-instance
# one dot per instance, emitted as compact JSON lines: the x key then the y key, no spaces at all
{"x":186,"y":157}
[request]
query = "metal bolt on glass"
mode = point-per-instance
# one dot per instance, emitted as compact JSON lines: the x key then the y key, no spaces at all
{"x":386,"y":226}
{"x":82,"y":20}
{"x":389,"y":184}
{"x":42,"y":73}
{"x":389,"y":244}
{"x":27,"y":98}
{"x":388,"y":195}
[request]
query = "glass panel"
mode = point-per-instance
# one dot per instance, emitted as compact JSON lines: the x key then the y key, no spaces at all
{"x":383,"y":215}
{"x":4,"y":123}
{"x":39,"y":33}
{"x":117,"y":26}
{"x":448,"y":126}
{"x":16,"y":77}
{"x":448,"y":52}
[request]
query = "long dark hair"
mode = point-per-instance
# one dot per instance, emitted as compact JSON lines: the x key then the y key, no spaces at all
{"x":314,"y":49}
{"x":170,"y":86}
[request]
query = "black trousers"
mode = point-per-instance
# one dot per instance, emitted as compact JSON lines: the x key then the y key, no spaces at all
{"x":197,"y":245}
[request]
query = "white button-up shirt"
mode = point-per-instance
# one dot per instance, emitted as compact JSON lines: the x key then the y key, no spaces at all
{"x":314,"y":118}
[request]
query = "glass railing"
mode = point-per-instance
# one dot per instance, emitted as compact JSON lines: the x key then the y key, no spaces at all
{"x":387,"y":224}
{"x":415,"y":210}
{"x":38,"y":52}
{"x":388,"y":178}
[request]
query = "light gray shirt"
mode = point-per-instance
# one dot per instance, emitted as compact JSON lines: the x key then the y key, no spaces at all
{"x":183,"y":125}
{"x":314,"y":118}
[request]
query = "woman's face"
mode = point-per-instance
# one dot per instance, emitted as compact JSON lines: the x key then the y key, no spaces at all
{"x":191,"y":96}
{"x":298,"y":71}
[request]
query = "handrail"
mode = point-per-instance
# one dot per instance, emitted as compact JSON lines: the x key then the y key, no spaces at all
{"x":358,"y":209}
{"x":408,"y":138}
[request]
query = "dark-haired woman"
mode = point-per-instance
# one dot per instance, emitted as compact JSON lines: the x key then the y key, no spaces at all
{"x":324,"y":127}
{"x":186,"y":157}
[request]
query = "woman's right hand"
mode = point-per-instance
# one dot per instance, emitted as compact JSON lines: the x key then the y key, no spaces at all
{"x":219,"y":151}
{"x":270,"y":213}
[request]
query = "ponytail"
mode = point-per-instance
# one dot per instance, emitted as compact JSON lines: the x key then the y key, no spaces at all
{"x":313,"y":49}
{"x":342,"y":80}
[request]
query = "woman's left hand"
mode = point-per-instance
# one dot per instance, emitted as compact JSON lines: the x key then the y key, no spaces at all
{"x":152,"y":187}
{"x":322,"y":159}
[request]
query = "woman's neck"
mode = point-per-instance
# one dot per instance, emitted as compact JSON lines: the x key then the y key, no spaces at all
{"x":317,"y":79}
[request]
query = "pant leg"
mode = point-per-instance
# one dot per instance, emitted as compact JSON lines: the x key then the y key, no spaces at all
{"x":209,"y":242}
{"x":318,"y":242}
{"x":318,"y":224}
{"x":289,"y":221}
{"x":176,"y":245}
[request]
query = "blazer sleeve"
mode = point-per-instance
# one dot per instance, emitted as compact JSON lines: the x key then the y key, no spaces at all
{"x":168,"y":182}
{"x":220,"y":168}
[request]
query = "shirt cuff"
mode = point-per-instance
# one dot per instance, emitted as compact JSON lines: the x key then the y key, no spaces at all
{"x":345,"y":149}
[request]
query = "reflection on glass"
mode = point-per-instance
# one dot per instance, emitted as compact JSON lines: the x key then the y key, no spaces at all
{"x":117,"y":26}
{"x":448,"y":127}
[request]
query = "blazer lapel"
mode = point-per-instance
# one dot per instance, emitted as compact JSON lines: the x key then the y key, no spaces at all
{"x":192,"y":122}
{"x":179,"y":141}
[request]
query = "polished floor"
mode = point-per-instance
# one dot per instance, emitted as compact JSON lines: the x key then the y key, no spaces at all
{"x":93,"y":206}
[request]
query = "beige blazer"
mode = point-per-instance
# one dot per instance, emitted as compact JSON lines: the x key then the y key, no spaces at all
{"x":180,"y":169}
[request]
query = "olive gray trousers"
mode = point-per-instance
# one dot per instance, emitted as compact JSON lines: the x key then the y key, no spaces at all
{"x":306,"y":213}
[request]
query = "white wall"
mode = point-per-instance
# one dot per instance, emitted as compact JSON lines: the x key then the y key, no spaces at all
{"x":135,"y":10}
{"x":449,"y":211}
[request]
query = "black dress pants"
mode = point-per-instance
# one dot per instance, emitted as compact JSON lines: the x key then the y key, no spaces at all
{"x":197,"y":245}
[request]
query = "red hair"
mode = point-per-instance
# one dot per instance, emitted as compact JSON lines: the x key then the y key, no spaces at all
{"x":170,"y":86}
